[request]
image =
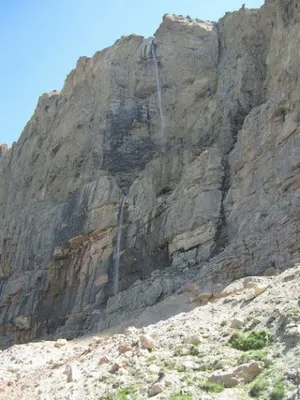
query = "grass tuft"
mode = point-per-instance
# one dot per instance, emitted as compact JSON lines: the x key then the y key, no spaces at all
{"x":180,"y":397}
{"x":212,"y":387}
{"x":256,"y":355}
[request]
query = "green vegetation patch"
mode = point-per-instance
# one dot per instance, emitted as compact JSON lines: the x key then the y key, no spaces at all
{"x":190,"y":380}
{"x":180,"y":397}
{"x":212,"y":387}
{"x":259,"y":387}
{"x":254,"y":340}
{"x":151,"y":360}
{"x":281,"y":111}
{"x":123,"y":393}
{"x":262,"y":385}
{"x":181,"y":351}
{"x":256,"y":355}
{"x":194,"y":351}
{"x":278,"y":391}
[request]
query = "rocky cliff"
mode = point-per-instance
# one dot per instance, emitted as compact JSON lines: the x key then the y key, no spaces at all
{"x":217,"y":199}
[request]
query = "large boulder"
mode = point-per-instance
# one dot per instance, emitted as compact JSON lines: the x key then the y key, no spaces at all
{"x":231,"y":377}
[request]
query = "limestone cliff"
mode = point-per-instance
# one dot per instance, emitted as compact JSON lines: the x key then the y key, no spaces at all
{"x":222,"y":201}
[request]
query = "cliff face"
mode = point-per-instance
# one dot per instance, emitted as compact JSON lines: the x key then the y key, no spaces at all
{"x":222,"y":200}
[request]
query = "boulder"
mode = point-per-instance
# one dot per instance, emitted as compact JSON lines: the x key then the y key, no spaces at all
{"x":115,"y":367}
{"x":190,"y":365}
{"x":194,"y":340}
{"x":231,"y":377}
{"x":124,"y":348}
{"x":236,"y":323}
{"x":73,"y":373}
{"x":103,"y":360}
{"x":147,"y":342}
{"x":60,"y":343}
{"x":204,"y":297}
{"x":155,"y":389}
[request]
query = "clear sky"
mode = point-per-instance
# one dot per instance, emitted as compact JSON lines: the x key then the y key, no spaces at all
{"x":41,"y":41}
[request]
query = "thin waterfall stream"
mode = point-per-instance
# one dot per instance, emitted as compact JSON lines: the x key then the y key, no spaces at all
{"x":162,"y":117}
{"x":118,"y":247}
{"x":163,"y":143}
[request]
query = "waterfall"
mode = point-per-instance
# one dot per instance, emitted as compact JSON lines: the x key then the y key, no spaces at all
{"x":118,"y":247}
{"x":162,"y":118}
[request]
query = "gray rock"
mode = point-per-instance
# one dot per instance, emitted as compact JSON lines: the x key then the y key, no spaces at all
{"x":191,"y":365}
{"x":155,"y":389}
{"x":194,"y":340}
{"x":147,"y":342}
{"x":73,"y":373}
{"x":236,"y":323}
{"x":244,"y":373}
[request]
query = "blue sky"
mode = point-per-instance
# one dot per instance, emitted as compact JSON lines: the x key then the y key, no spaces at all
{"x":42,"y":39}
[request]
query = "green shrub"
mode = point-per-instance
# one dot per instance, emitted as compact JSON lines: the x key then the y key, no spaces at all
{"x":184,"y":351}
{"x":212,"y":387}
{"x":254,"y":340}
{"x":206,"y":367}
{"x":278,"y":391}
{"x":260,"y":386}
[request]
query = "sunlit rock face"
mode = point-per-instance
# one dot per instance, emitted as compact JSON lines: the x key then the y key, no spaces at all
{"x":219,"y":200}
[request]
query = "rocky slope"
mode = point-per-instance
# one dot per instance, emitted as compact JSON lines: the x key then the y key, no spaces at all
{"x":201,"y":353}
{"x":220,"y":202}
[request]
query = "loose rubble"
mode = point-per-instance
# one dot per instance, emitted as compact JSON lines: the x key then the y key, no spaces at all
{"x":190,"y":354}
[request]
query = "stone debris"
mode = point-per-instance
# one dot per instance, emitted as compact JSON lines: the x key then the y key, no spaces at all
{"x":147,"y":342}
{"x":60,"y":343}
{"x":236,"y":323}
{"x":242,"y":374}
{"x":204,"y":297}
{"x":97,"y":340}
{"x":155,"y":389}
{"x":292,"y":331}
{"x":116,"y":367}
{"x":191,"y":365}
{"x":73,"y":373}
{"x":195,"y":340}
{"x":182,"y":354}
{"x":124,"y":348}
{"x":103,"y":360}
